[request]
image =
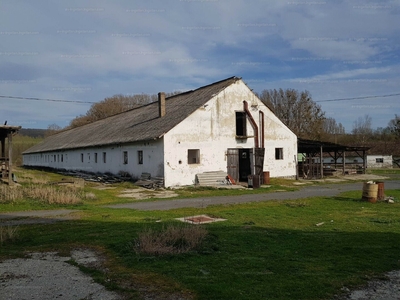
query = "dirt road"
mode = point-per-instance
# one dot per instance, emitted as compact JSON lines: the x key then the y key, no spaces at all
{"x":328,"y":190}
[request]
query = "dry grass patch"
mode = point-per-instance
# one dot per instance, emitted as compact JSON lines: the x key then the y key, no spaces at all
{"x":171,"y":239}
{"x":55,"y":195}
{"x":42,"y":193}
{"x":10,"y":194}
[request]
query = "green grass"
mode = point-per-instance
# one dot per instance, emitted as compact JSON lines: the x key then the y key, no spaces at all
{"x":384,"y":171}
{"x":265,"y":250}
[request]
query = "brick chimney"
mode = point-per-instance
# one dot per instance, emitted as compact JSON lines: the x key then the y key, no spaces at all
{"x":161,"y":104}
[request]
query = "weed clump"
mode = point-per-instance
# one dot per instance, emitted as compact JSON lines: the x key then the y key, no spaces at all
{"x":8,"y":233}
{"x":171,"y":239}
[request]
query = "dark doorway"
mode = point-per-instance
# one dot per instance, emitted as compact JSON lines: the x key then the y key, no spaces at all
{"x":244,"y":164}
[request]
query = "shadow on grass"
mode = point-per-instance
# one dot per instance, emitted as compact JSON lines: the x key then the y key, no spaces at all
{"x":241,"y":261}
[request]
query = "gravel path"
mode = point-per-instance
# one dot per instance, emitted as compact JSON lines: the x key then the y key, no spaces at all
{"x":328,"y":190}
{"x":47,"y":276}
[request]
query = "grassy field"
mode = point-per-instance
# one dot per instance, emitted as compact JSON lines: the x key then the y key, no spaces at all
{"x":269,"y":250}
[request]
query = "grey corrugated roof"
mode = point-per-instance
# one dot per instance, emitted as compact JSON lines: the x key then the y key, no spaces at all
{"x":139,"y":124}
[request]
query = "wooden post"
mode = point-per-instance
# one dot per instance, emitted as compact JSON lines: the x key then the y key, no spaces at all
{"x":335,"y":160}
{"x":321,"y":163}
{"x":3,"y":147}
{"x":364,"y":162}
{"x":344,"y":161}
{"x":10,"y":181}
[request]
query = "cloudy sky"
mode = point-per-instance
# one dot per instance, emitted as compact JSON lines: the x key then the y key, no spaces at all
{"x":88,"y":50}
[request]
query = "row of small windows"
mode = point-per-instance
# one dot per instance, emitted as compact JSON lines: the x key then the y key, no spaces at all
{"x":125,"y":157}
{"x":48,"y":158}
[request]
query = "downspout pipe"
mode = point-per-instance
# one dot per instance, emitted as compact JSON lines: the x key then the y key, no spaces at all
{"x":252,"y":122}
{"x":262,"y":129}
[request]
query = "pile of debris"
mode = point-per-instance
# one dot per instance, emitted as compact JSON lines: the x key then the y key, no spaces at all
{"x":389,"y":199}
{"x":149,"y":182}
{"x":98,"y":177}
{"x":145,"y":180}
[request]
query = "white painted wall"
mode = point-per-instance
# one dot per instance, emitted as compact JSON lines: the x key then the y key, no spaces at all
{"x":373,"y":161}
{"x":212,"y":130}
{"x":72,"y":160}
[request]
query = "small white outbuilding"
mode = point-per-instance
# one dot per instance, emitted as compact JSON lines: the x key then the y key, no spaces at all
{"x":379,"y":161}
{"x":219,"y":127}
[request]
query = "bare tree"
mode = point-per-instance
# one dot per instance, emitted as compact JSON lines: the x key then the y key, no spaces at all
{"x":52,"y":129}
{"x":111,"y":106}
{"x":332,"y":130}
{"x":394,"y":126}
{"x":362,"y":130}
{"x":297,"y":110}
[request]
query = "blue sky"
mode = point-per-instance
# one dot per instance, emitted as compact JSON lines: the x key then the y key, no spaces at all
{"x":89,"y":50}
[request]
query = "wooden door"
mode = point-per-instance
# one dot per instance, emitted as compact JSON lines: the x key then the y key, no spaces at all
{"x":232,"y":158}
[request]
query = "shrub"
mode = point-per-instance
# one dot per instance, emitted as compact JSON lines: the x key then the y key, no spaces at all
{"x":171,"y":239}
{"x":8,"y":233}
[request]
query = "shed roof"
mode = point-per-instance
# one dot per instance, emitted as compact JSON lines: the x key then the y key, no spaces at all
{"x":138,"y":124}
{"x":6,"y":129}
{"x":305,"y":146}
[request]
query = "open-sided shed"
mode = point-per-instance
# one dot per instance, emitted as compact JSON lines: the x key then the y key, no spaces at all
{"x":311,"y":164}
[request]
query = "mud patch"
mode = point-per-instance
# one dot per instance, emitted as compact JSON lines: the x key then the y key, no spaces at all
{"x":37,"y":217}
{"x":142,"y":193}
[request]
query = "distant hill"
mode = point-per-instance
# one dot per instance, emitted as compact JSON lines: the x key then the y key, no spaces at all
{"x":31,"y":132}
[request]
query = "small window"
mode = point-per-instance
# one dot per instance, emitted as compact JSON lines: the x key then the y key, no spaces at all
{"x":81,"y":157}
{"x":140,"y":157}
{"x":88,"y":157}
{"x":355,"y":161}
{"x":278,"y":153}
{"x":104,"y":157}
{"x":193,"y":156}
{"x":95,"y":157}
{"x":379,"y":160}
{"x":125,"y":157}
{"x":62,"y":157}
{"x":241,"y":123}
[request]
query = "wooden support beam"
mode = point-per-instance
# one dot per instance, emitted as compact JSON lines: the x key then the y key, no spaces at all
{"x":344,"y":161}
{"x":364,"y":162}
{"x":321,"y":162}
{"x":3,"y":147}
{"x":10,"y":181}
